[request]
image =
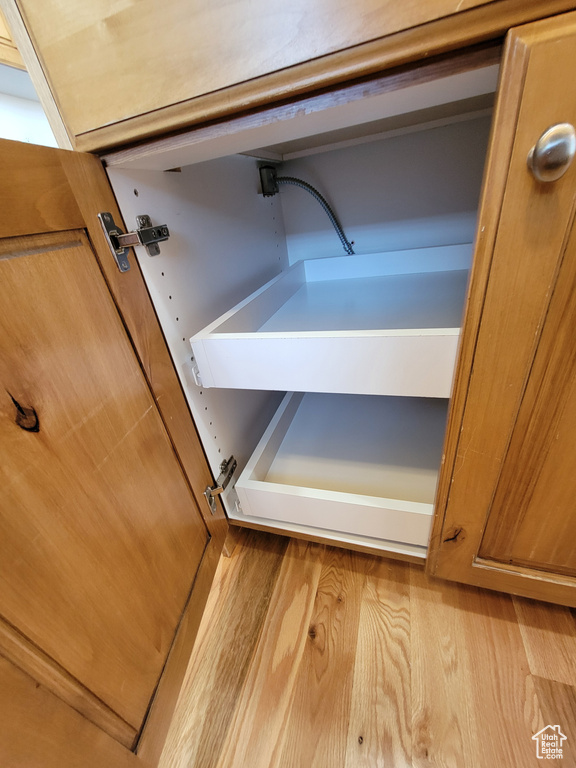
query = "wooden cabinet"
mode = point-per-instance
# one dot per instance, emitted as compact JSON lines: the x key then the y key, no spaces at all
{"x":100,"y":514}
{"x":8,"y":52}
{"x":122,"y":74}
{"x":402,"y":155}
{"x":378,"y":325}
{"x":506,"y":509}
{"x":106,"y":559}
{"x":514,"y":247}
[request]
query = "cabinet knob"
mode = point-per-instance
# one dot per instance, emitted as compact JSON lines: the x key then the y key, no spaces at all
{"x":551,"y":156}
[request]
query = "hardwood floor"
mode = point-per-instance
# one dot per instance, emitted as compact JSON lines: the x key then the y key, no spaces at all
{"x":315,"y":657}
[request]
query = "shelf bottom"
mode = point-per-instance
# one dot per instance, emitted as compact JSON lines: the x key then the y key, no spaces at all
{"x":348,"y":465}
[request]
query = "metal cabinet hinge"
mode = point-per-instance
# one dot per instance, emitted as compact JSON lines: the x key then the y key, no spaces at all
{"x":227,"y":469}
{"x":119,"y":241}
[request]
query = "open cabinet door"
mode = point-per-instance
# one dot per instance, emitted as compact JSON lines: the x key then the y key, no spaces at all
{"x":105,"y":557}
{"x":506,"y":505}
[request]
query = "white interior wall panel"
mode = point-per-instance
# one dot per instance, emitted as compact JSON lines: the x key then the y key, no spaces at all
{"x":225,"y":241}
{"x":410,"y":191}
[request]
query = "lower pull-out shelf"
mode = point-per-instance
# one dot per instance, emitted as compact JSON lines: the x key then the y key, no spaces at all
{"x":360,"y":466}
{"x":377,"y":324}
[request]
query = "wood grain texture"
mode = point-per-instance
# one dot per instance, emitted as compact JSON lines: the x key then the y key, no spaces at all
{"x":467,"y":656}
{"x":9,"y":53}
{"x":40,"y":730}
{"x":532,"y":517}
{"x":532,"y":224}
{"x":93,"y":194}
{"x":380,"y":729}
{"x":202,"y":48}
{"x":493,"y":189}
{"x":449,"y":26}
{"x":534,"y":583}
{"x":153,"y":734}
{"x":223,"y":652}
{"x":49,"y":190}
{"x":404,"y":671}
{"x":101,"y":538}
{"x":549,"y":637}
{"x":267,"y":694}
{"x":232,"y":538}
{"x":419,"y":73}
{"x":67,"y":192}
{"x":558,"y":705}
{"x":23,"y":654}
{"x":32,"y":64}
{"x":323,"y":687}
{"x":35,"y":194}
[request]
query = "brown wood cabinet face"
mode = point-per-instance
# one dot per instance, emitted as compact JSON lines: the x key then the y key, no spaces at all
{"x":532,"y":520}
{"x":50,"y":718}
{"x":110,"y":62}
{"x":40,"y":730}
{"x":499,"y":481}
{"x":8,"y":52}
{"x":111,"y":76}
{"x":100,"y":534}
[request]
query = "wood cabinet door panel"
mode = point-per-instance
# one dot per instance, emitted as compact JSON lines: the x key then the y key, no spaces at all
{"x":520,"y":249}
{"x":532,"y":519}
{"x":40,"y":731}
{"x":8,"y":52}
{"x":100,"y":534}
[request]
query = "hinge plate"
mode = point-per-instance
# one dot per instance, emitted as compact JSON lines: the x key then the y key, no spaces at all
{"x":119,"y":242}
{"x":227,"y":469}
{"x":111,"y":232}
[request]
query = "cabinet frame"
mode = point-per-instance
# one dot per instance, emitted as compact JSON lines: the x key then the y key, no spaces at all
{"x":448,"y":34}
{"x":83,"y":191}
{"x":485,"y":23}
{"x":457,"y":532}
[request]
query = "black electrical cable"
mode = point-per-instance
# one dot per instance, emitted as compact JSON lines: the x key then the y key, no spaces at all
{"x":346,"y":244}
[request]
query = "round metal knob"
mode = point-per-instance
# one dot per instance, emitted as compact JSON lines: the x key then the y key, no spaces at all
{"x":551,"y":156}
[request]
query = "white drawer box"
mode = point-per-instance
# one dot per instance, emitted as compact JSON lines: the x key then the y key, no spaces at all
{"x":358,"y":465}
{"x":385,"y":324}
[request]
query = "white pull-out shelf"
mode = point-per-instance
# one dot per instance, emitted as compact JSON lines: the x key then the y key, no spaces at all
{"x":359,"y":468}
{"x":377,"y":324}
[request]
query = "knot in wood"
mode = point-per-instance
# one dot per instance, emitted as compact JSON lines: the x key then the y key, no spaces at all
{"x":455,"y":534}
{"x":26,"y":418}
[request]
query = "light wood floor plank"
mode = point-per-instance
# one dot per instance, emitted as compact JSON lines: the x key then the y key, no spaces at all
{"x":313,"y":657}
{"x":558,"y":705}
{"x":223,"y":652}
{"x":473,"y":697}
{"x":549,"y":635}
{"x":380,"y":728}
{"x":506,"y":710}
{"x":256,"y":736}
{"x":317,"y":732}
{"x":443,"y":727}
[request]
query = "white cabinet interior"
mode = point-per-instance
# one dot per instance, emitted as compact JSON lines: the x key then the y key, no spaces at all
{"x":406,"y":193}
